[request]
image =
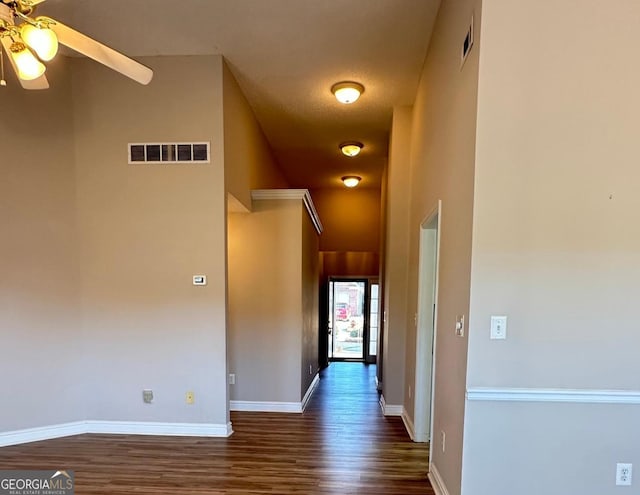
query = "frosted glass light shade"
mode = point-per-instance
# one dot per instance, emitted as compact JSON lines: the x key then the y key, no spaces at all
{"x":351,"y":180}
{"x":41,"y":40}
{"x":347,"y":92}
{"x":29,"y":67}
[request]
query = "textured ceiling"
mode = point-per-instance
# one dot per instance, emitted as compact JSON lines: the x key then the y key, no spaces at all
{"x":286,"y":54}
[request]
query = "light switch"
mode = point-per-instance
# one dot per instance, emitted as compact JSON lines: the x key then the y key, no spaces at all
{"x":498,"y":327}
{"x":460,"y":325}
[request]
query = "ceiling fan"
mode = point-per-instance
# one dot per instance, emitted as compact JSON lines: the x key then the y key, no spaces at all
{"x":29,"y":41}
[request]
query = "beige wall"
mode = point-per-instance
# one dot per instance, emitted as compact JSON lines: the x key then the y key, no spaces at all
{"x":351,"y":219}
{"x":397,"y":251}
{"x":348,"y":263}
{"x":249,"y":161}
{"x":555,"y":244}
{"x":273,"y":301}
{"x":144,"y":231}
{"x":265,"y":295}
{"x":442,"y":168}
{"x":39,"y":290}
{"x":310,"y":298}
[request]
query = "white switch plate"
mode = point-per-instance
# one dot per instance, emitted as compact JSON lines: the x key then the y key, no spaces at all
{"x":199,"y":280}
{"x":498,"y":327}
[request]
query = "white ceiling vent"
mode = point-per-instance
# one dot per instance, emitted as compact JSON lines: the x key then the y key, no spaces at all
{"x":168,"y":153}
{"x":467,"y":44}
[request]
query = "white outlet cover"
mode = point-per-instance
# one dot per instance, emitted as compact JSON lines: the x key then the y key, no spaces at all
{"x":498,"y":327}
{"x":624,"y":472}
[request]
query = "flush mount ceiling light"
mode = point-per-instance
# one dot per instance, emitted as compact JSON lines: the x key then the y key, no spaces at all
{"x":351,"y":148}
{"x":28,"y":41}
{"x":351,"y":180}
{"x":347,"y":91}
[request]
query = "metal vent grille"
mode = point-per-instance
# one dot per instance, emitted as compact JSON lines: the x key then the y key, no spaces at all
{"x":168,"y":153}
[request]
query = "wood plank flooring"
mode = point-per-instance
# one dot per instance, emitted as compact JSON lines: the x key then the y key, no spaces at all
{"x":341,"y":444}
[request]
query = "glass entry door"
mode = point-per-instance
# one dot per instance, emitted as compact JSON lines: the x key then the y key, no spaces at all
{"x":348,"y":319}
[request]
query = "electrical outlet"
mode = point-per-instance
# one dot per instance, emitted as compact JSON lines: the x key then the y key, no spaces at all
{"x":190,"y":398}
{"x":443,"y":440}
{"x":498,"y":327}
{"x":147,"y":396}
{"x":623,"y":474}
{"x":232,"y":378}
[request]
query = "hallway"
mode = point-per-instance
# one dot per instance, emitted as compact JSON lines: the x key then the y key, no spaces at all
{"x":341,"y":444}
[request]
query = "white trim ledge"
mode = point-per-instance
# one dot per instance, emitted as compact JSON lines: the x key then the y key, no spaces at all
{"x":583,"y":396}
{"x":302,"y":194}
{"x":436,"y":480}
{"x":114,"y":427}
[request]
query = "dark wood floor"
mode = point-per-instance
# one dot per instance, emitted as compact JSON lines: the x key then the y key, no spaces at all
{"x":340,"y":445}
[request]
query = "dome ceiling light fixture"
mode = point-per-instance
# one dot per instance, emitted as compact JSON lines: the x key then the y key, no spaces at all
{"x":347,"y":92}
{"x":351,"y":148}
{"x":351,"y":180}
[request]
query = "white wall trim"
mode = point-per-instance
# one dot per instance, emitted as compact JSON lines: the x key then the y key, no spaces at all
{"x":436,"y":481}
{"x":583,"y":396}
{"x":390,"y":409}
{"x":408,"y":424}
{"x":310,"y":391}
{"x":265,"y":406}
{"x":49,"y":432}
{"x":302,"y":194}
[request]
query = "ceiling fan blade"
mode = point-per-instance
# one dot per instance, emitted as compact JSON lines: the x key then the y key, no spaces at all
{"x":102,"y":53}
{"x":38,"y":83}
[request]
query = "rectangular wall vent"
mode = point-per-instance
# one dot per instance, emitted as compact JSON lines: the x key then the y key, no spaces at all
{"x":168,"y":153}
{"x":467,"y":44}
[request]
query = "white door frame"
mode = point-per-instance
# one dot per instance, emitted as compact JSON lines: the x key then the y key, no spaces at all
{"x":426,"y":324}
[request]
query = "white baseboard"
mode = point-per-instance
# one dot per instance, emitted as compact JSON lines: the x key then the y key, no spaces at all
{"x":37,"y":434}
{"x":436,"y":481}
{"x":114,"y":427}
{"x":310,"y":391}
{"x":279,"y":407}
{"x":390,"y":409}
{"x":378,"y":384}
{"x":265,"y":406}
{"x":408,"y":424}
{"x":162,"y":429}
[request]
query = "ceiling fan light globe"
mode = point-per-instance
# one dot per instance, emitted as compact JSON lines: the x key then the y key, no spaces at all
{"x":29,"y":67}
{"x":41,"y":40}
